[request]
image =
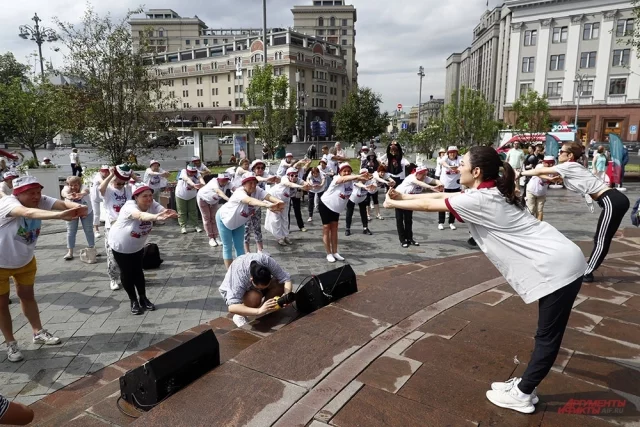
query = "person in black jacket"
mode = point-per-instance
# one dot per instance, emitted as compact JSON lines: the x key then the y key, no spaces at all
{"x":370,"y":163}
{"x":396,"y":163}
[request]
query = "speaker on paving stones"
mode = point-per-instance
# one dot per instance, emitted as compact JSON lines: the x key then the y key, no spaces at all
{"x":317,"y":291}
{"x":160,"y":377}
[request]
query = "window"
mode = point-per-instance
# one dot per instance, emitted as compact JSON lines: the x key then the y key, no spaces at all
{"x":332,"y":22}
{"x":345,"y":22}
{"x":239,"y":89}
{"x":206,"y":42}
{"x":170,"y":70}
{"x":197,"y":42}
{"x":198,"y":80}
{"x":320,"y":22}
{"x":229,"y":103}
{"x":214,"y":91}
{"x":185,"y":82}
{"x":554,"y":89}
{"x":185,"y":93}
{"x":344,"y":42}
{"x":214,"y":79}
{"x":198,"y":67}
{"x":170,"y":83}
{"x":588,"y":60}
{"x":525,"y":87}
{"x":214,"y":66}
{"x":215,"y":41}
{"x":160,"y":33}
{"x":560,"y":34}
{"x":556,"y":63}
{"x":300,"y":56}
{"x":621,"y":57}
{"x":228,"y":77}
{"x":185,"y":105}
{"x":215,"y":104}
{"x":183,"y":68}
{"x":587,"y":88}
{"x":200,"y":104}
{"x":530,"y":37}
{"x":319,"y":32}
{"x":528,"y":64}
{"x":172,"y":94}
{"x":617,"y":86}
{"x":591,"y":31}
{"x":624,"y":28}
{"x":187,"y":42}
{"x":344,"y":32}
{"x":229,"y":91}
{"x":199,"y":92}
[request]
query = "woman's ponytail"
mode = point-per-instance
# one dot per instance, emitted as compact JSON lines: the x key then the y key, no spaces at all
{"x":489,"y":162}
{"x":506,"y":183}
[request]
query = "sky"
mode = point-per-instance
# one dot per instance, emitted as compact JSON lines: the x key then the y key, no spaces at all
{"x":393,"y":37}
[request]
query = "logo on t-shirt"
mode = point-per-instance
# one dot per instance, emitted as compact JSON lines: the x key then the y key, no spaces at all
{"x":28,"y":231}
{"x":155,"y":180}
{"x":247,"y":212}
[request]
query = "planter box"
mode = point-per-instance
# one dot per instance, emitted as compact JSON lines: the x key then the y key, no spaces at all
{"x":52,"y":179}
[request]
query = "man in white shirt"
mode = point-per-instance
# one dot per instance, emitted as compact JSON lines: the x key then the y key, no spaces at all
{"x":75,"y":162}
{"x":339,"y":151}
{"x":515,"y":157}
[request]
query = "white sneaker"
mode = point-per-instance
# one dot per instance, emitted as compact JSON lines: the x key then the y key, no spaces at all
{"x":213,"y":242}
{"x":310,"y":220}
{"x":330,"y":258}
{"x":98,"y":235}
{"x":453,"y":227}
{"x":506,"y":386}
{"x":281,"y":242}
{"x":440,"y":226}
{"x":44,"y":337}
{"x":288,"y":241}
{"x":338,"y":257}
{"x":198,"y":230}
{"x":240,"y":320}
{"x":13,"y":352}
{"x":183,"y":230}
{"x":114,"y":285}
{"x":512,"y":399}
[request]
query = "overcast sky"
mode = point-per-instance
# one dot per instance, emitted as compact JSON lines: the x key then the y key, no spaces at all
{"x":393,"y":37}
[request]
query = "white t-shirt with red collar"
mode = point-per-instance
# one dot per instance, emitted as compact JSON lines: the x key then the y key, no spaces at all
{"x":129,"y":235}
{"x":209,"y":194}
{"x":282,"y":192}
{"x":235,"y":213}
{"x":185,"y":191}
{"x":337,"y":195}
{"x":450,"y":180}
{"x":410,"y":184}
{"x":114,"y":200}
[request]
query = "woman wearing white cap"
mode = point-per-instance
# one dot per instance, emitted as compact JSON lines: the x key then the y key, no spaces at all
{"x":232,"y":217}
{"x":75,"y":192}
{"x":209,"y":202}
{"x":277,"y":223}
{"x":504,"y":231}
{"x":441,"y":153}
{"x":450,"y":178}
{"x":285,"y":164}
{"x":415,"y":183}
{"x":332,"y":203}
{"x":115,"y":191}
{"x":238,"y":173}
{"x":253,"y":226}
{"x":317,"y":184}
{"x":195,"y":160}
{"x":537,"y":189}
{"x":6,"y":186}
{"x":383,"y":179}
{"x":127,"y":239}
{"x":360,"y":197}
{"x":155,"y":178}
{"x":96,"y":197}
{"x":46,"y":162}
{"x":188,"y":185}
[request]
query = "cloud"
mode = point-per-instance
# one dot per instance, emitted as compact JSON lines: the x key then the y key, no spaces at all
{"x":393,"y":38}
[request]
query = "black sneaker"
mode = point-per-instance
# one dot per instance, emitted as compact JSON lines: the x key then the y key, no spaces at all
{"x":414,"y":243}
{"x":587,"y":278}
{"x":405,"y":245}
{"x":147,"y":304}
{"x":367,"y":231}
{"x":472,"y":242}
{"x":347,"y":232}
{"x":135,"y":308}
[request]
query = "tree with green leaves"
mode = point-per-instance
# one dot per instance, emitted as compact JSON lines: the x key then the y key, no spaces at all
{"x":468,"y":119}
{"x":118,"y":90}
{"x":430,"y":137}
{"x":531,"y":115}
{"x":10,"y":70}
{"x":36,"y":112}
{"x":359,"y":119}
{"x":271,"y":106}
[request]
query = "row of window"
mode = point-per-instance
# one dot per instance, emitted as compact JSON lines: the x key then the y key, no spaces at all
{"x":590,"y":31}
{"x":343,"y":32}
{"x":617,"y":86}
{"x":332,"y":22}
{"x":321,"y":103}
{"x":621,"y":58}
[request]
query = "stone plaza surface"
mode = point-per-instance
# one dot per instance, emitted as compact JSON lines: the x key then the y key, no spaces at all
{"x":423,"y":325}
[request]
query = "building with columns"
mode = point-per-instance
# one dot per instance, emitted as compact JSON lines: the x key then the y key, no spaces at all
{"x":574,"y":50}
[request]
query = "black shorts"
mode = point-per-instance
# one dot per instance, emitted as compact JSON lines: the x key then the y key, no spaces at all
{"x":327,"y":215}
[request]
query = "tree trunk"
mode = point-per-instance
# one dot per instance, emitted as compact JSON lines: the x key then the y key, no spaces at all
{"x":33,"y":152}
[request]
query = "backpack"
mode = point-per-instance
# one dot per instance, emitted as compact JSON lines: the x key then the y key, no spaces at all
{"x":151,"y":257}
{"x":635,"y":215}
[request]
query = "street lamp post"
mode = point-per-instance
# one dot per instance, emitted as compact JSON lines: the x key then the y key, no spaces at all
{"x":579,"y":81}
{"x":421,"y":75}
{"x":39,"y":35}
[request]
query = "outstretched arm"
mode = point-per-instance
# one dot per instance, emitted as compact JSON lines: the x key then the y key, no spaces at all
{"x":538,"y":172}
{"x":424,"y":204}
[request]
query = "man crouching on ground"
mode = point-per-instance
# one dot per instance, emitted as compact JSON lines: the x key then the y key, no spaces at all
{"x":250,"y":280}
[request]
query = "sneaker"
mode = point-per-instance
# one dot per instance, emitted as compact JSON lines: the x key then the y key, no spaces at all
{"x":472,"y":242}
{"x":338,"y":257}
{"x":240,"y":320}
{"x":331,"y":258}
{"x":367,"y":231}
{"x":98,"y":235}
{"x":453,"y":227}
{"x":148,"y":305}
{"x":13,"y":352}
{"x":512,"y":399}
{"x":114,"y":285}
{"x":347,"y":232}
{"x":198,"y":230}
{"x":310,"y":220}
{"x":288,"y":241}
{"x":183,"y":230}
{"x":68,"y":257}
{"x":369,"y":217}
{"x":213,"y":242}
{"x":506,"y":386}
{"x":44,"y":337}
{"x":380,"y":217}
{"x":303,"y":229}
{"x":135,"y":308}
{"x":281,"y":242}
{"x":405,"y":244}
{"x":440,"y":226}
{"x":414,"y":243}
{"x":587,"y":278}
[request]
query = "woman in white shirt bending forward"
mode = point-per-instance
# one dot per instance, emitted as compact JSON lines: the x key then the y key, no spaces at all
{"x":577,"y":178}
{"x":277,"y":223}
{"x":186,"y":191}
{"x":127,"y":238}
{"x":332,"y":203}
{"x":504,"y":230}
{"x":75,"y":192}
{"x":209,"y":202}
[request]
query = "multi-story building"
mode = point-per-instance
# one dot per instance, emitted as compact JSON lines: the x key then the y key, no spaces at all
{"x":428,"y":110}
{"x":209,"y":82}
{"x":554,"y":45}
{"x":333,"y":21}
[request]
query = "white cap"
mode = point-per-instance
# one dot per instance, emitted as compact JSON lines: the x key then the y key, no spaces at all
{"x":420,"y":169}
{"x":25,"y":183}
{"x":363,"y":170}
{"x":344,"y":165}
{"x":45,"y":159}
{"x":292,"y":170}
{"x":256,"y":163}
{"x":289,"y":155}
{"x":151,"y":163}
{"x":452,"y":148}
{"x":549,"y":159}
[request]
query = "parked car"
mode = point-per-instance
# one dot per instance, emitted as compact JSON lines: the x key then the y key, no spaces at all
{"x":226,"y":139}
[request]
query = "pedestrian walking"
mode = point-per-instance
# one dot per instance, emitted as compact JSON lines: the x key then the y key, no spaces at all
{"x":75,"y":192}
{"x":96,"y":197}
{"x":74,"y":160}
{"x":188,"y":185}
{"x":208,"y":199}
{"x":127,"y":239}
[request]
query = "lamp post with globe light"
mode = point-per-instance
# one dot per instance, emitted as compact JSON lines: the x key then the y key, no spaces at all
{"x":39,"y":35}
{"x":421,"y":75}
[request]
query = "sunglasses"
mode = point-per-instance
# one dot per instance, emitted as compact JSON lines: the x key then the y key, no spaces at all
{"x":564,"y":151}
{"x":292,"y":174}
{"x":259,"y":167}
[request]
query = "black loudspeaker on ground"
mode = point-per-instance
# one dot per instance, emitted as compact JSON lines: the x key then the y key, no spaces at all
{"x":149,"y":384}
{"x":326,"y":288}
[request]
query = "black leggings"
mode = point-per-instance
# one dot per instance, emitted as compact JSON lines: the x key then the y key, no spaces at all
{"x":297,"y":209}
{"x":404,"y":224}
{"x":441,"y":215}
{"x":374,"y":197}
{"x":363,"y":213}
{"x":131,"y":273}
{"x":614,"y":206}
{"x":553,"y":315}
{"x":312,"y":203}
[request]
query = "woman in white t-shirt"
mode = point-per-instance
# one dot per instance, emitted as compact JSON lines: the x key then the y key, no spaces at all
{"x":75,"y":192}
{"x":441,"y":153}
{"x":332,"y":203}
{"x":382,"y":179}
{"x":127,"y":239}
{"x":155,"y":178}
{"x":74,"y":160}
{"x":285,"y":164}
{"x":6,"y":186}
{"x":96,"y":198}
{"x":360,"y":197}
{"x":525,"y":251}
{"x":188,"y":185}
{"x":450,"y":179}
{"x":254,"y":226}
{"x":277,"y":223}
{"x":232,"y":217}
{"x":537,"y":187}
{"x":115,"y":192}
{"x":238,"y":173}
{"x":209,"y":198}
{"x":317,"y":183}
{"x":577,"y":178}
{"x":195,"y":160}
